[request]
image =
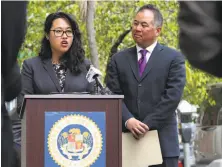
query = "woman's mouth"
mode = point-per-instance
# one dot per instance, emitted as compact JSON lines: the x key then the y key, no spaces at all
{"x":64,"y":43}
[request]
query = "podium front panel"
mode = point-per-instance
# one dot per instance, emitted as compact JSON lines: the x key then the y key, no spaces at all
{"x":34,"y":126}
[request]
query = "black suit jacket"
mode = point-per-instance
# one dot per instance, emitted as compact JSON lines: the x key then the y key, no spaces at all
{"x":152,"y":98}
{"x":200,"y":35}
{"x":39,"y":77}
{"x":13,"y":27}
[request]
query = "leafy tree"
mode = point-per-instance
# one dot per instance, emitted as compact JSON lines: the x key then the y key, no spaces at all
{"x":112,"y":23}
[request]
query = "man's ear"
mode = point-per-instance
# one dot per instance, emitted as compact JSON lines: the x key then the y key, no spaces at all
{"x":158,"y":30}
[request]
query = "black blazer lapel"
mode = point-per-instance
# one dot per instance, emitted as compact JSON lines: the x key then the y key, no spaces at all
{"x":132,"y":58}
{"x":47,"y":64}
{"x":151,"y":62}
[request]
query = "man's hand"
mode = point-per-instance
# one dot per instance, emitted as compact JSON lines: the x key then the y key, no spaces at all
{"x":137,"y":128}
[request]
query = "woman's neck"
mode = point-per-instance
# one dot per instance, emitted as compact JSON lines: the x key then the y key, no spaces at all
{"x":56,"y":58}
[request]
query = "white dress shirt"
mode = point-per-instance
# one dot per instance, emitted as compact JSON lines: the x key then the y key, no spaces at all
{"x":149,"y":49}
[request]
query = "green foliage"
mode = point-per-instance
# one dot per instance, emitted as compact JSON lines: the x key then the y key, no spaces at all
{"x":196,"y":86}
{"x":112,"y":18}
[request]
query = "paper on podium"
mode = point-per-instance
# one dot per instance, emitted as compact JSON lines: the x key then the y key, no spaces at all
{"x":143,"y":152}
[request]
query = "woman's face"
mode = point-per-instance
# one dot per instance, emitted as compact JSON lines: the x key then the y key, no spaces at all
{"x":60,"y":36}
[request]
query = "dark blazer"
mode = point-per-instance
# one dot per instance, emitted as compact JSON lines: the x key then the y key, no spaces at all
{"x":39,"y":77}
{"x":13,"y":27}
{"x":200,"y":34}
{"x":154,"y":97}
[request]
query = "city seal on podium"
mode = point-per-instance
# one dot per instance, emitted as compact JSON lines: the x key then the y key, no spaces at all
{"x":75,"y":141}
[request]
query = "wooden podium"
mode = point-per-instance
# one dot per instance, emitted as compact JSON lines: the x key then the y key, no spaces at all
{"x":33,"y":123}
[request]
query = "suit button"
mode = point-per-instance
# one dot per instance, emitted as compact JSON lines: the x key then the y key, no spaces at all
{"x":140,"y":85}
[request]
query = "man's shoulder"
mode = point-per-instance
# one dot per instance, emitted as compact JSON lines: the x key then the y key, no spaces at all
{"x":170,"y":51}
{"x":125,"y":52}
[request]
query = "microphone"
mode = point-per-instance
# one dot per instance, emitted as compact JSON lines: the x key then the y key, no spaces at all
{"x":92,"y":76}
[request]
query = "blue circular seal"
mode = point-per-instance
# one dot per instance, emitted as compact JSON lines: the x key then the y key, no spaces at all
{"x":75,"y":140}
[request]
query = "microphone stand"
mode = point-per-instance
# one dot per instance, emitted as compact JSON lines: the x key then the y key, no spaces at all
{"x":96,"y":86}
{"x":103,"y":91}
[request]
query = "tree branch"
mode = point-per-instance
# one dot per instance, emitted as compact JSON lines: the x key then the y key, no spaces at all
{"x":62,"y":7}
{"x":115,"y":46}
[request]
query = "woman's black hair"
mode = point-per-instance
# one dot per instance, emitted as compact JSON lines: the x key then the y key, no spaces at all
{"x":73,"y":59}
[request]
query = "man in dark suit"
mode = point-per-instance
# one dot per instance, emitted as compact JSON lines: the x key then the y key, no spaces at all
{"x":151,"y":77}
{"x":13,"y":32}
{"x":200,"y":35}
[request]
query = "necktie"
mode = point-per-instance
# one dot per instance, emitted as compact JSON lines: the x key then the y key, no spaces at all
{"x":142,"y":61}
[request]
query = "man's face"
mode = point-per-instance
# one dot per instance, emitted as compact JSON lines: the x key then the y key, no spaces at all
{"x":143,"y":30}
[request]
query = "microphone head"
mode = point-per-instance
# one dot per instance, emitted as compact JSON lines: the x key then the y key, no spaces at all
{"x":92,"y":73}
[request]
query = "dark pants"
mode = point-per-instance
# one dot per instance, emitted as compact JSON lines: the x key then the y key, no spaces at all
{"x":168,"y":162}
{"x":8,"y":153}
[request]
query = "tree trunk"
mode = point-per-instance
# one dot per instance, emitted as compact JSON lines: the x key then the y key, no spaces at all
{"x":91,"y":33}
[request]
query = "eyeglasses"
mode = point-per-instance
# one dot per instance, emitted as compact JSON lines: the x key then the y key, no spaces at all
{"x":59,"y":33}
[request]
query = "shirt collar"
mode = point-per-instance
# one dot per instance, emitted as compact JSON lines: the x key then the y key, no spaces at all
{"x":149,"y":48}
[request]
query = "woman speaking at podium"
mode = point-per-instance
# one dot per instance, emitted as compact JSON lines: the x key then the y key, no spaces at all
{"x":61,"y":65}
